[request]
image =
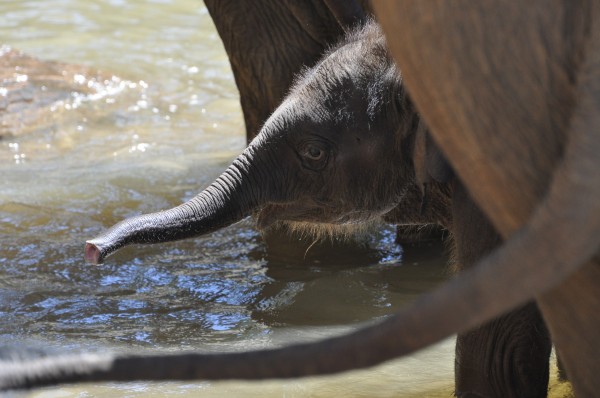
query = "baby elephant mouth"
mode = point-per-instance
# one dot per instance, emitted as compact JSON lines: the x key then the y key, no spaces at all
{"x":318,"y":221}
{"x":272,"y":214}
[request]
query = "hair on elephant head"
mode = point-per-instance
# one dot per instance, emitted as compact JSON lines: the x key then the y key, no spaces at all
{"x":334,"y":157}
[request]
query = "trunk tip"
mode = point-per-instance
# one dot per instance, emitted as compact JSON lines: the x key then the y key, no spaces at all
{"x":92,"y":253}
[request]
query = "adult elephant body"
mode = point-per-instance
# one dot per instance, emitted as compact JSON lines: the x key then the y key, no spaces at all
{"x":504,"y":87}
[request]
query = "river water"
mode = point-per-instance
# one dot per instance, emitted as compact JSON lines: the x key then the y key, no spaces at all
{"x":154,"y":135}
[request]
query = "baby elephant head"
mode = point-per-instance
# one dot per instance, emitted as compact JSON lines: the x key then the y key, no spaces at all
{"x":333,"y":156}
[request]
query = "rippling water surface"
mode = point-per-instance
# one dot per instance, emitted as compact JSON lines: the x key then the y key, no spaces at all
{"x":160,"y":124}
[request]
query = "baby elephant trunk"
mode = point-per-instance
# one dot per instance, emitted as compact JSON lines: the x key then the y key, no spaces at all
{"x":227,"y":200}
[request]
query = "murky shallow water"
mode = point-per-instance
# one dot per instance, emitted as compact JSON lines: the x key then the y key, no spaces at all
{"x":155,"y":136}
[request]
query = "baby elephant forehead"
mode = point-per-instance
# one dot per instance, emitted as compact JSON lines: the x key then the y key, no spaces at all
{"x":333,"y":95}
{"x":346,"y":91}
{"x":344,"y":71}
{"x":330,"y":113}
{"x":336,"y":114}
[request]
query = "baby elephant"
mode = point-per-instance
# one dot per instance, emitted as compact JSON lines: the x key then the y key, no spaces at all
{"x":336,"y":154}
{"x":346,"y":148}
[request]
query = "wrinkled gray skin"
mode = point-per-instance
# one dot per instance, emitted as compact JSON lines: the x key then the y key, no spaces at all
{"x":335,"y":154}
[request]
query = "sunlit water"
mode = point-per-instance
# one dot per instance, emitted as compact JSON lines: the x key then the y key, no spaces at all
{"x":144,"y":140}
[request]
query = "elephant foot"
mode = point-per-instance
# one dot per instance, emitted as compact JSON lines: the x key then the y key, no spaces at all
{"x":508,"y":357}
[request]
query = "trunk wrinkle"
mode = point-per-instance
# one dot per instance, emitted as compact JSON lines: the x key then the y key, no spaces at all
{"x":221,"y":204}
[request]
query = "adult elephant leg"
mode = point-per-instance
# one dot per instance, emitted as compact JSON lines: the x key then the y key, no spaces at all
{"x":572,"y":314}
{"x":269,"y":41}
{"x":508,"y":356}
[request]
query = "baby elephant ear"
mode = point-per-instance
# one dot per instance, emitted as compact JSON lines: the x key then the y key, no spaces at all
{"x":429,"y":162}
{"x":437,"y":166}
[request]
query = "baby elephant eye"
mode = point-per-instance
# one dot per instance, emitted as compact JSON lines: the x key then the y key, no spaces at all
{"x":314,"y":153}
